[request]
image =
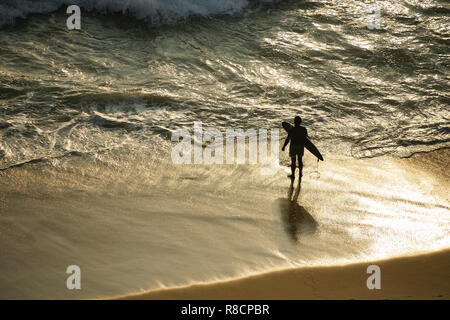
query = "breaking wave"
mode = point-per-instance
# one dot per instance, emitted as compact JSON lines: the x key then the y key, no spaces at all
{"x":155,"y":11}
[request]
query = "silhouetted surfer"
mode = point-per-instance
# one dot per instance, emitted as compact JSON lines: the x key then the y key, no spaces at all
{"x":297,"y":136}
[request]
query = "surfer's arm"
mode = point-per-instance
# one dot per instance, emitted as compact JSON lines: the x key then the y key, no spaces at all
{"x":286,"y":142}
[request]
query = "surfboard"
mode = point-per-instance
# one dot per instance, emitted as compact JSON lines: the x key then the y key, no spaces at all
{"x":308,"y":144}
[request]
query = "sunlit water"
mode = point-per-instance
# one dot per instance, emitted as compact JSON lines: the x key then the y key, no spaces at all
{"x":90,"y":113}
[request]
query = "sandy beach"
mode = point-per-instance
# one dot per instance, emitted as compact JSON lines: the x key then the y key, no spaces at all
{"x":416,"y":277}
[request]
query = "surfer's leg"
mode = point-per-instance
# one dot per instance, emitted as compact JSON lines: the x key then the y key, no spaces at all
{"x":300,"y":166}
{"x":292,"y":167}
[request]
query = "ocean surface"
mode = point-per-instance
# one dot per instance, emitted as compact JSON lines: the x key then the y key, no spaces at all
{"x":86,"y":119}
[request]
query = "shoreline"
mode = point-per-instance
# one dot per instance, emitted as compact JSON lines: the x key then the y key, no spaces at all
{"x":420,"y":275}
{"x":413,"y":277}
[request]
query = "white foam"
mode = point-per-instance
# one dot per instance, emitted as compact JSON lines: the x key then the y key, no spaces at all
{"x":156,"y":11}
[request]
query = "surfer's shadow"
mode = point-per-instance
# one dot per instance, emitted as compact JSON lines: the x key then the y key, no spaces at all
{"x":297,"y":221}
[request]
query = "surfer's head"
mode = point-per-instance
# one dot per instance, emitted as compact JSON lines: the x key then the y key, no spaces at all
{"x":297,"y":121}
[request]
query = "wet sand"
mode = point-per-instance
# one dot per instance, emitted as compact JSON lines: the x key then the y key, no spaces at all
{"x":425,"y":276}
{"x":420,"y":276}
